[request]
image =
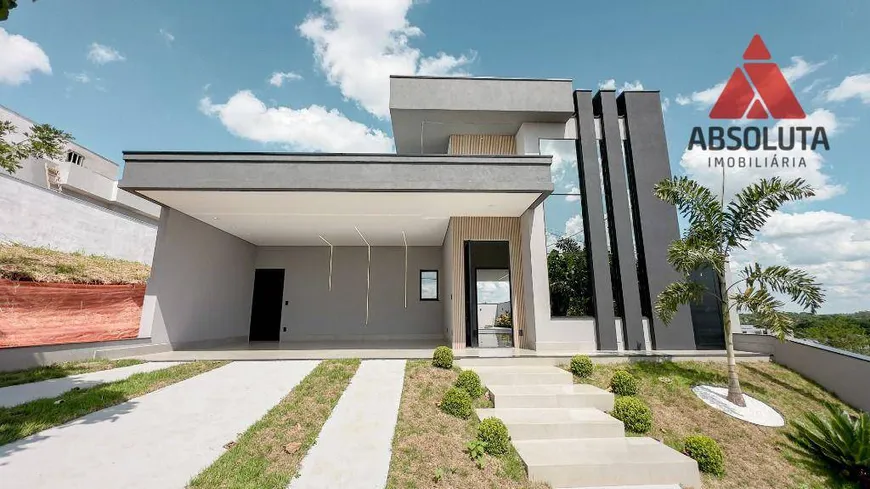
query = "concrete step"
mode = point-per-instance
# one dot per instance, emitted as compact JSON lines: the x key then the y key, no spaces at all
{"x":544,"y":361}
{"x":644,"y":486}
{"x":523,"y":375}
{"x":555,"y":423}
{"x":551,"y":396}
{"x":607,"y":462}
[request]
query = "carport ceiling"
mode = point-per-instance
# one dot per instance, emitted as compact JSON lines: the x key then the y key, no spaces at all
{"x":300,"y":218}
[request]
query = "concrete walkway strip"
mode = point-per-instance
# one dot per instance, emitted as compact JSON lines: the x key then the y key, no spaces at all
{"x":19,"y":394}
{"x":354,"y":447}
{"x":161,"y":439}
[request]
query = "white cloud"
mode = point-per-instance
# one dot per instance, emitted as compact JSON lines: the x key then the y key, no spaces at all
{"x":834,"y":247}
{"x":703,"y":99}
{"x":82,"y":77}
{"x":854,"y":86}
{"x":101,"y":54}
{"x":697,"y":166}
{"x":278,"y":78}
{"x":19,"y":57}
{"x":574,"y":227}
{"x":313,"y":128}
{"x":610,"y":84}
{"x":167,"y":36}
{"x":666,"y":102}
{"x":358,"y":45}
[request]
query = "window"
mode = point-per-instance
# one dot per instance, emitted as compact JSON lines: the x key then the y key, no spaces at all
{"x":428,"y":285}
{"x":74,"y":158}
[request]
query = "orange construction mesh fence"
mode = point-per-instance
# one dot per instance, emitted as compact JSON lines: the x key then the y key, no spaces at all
{"x":52,"y":313}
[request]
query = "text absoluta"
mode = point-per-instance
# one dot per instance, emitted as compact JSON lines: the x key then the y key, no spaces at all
{"x":763,"y":138}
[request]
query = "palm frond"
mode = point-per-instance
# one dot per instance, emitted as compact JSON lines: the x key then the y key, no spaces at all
{"x":675,"y":295}
{"x":686,"y":256}
{"x":759,"y":301}
{"x":750,"y":209}
{"x":697,"y":203}
{"x":797,"y":284}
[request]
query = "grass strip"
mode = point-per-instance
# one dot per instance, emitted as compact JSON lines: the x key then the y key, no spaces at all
{"x":20,"y":421}
{"x":268,"y":454}
{"x":428,"y":446}
{"x":58,"y":370}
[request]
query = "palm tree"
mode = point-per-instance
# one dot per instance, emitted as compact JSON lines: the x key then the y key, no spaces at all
{"x":714,"y":231}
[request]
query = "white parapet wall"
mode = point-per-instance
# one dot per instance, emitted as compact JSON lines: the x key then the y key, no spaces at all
{"x":35,"y":216}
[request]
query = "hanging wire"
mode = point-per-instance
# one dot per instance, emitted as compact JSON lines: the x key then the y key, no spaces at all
{"x":405,"y":240}
{"x":330,"y":259}
{"x":368,"y":272}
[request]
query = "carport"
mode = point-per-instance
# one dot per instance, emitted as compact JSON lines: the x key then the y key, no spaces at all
{"x":326,"y":249}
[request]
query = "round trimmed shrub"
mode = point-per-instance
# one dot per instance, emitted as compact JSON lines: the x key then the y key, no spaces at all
{"x":456,"y":402}
{"x":470,"y":381}
{"x":634,"y":414}
{"x":581,"y":366}
{"x":443,"y":357}
{"x":623,"y":383}
{"x":707,"y":453}
{"x":495,"y":434}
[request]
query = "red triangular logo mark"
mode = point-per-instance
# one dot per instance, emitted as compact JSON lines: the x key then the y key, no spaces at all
{"x":757,"y":111}
{"x":768,"y":83}
{"x":756,"y":51}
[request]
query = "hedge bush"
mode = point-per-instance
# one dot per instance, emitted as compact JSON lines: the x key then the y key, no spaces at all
{"x":456,"y":402}
{"x":634,"y":414}
{"x":707,"y":453}
{"x":470,"y":382}
{"x":443,"y":357}
{"x":623,"y":383}
{"x":494,"y":433}
{"x":581,"y":366}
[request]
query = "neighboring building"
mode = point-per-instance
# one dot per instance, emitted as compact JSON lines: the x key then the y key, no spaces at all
{"x":74,"y":204}
{"x":356,"y":247}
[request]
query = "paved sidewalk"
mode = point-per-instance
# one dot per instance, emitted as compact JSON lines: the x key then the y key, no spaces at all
{"x":19,"y":394}
{"x":354,"y":447}
{"x":159,"y":440}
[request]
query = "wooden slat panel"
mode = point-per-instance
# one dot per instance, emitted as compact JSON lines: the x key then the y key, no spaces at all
{"x":486,"y":229}
{"x":482,"y":144}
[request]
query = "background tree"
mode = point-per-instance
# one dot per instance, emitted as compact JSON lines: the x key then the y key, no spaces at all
{"x":42,"y":141}
{"x":6,"y":6}
{"x":714,"y":231}
{"x":568,"y":271}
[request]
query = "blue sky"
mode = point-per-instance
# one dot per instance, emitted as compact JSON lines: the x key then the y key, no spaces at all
{"x":195,"y":75}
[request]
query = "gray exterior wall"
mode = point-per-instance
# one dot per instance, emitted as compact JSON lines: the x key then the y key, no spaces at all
{"x":841,"y":373}
{"x":201,"y":283}
{"x":315,"y":313}
{"x":594,"y":234}
{"x":36,"y":216}
{"x":655,"y":222}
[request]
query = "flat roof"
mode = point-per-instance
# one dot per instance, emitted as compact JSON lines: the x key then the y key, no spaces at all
{"x":425,"y":111}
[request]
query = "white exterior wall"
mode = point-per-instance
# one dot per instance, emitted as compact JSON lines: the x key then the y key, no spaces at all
{"x":36,"y":216}
{"x":546,"y":332}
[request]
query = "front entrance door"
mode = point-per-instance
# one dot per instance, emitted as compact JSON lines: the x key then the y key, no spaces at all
{"x":267,"y":304}
{"x":488,"y":304}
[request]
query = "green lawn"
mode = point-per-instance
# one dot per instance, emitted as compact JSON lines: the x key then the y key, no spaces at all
{"x":754,"y":455}
{"x":59,"y":370}
{"x":26,"y":419}
{"x":268,"y":454}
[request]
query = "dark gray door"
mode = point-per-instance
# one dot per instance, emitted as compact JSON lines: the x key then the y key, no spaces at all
{"x":267,"y":304}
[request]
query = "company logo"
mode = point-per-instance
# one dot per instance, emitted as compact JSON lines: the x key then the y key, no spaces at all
{"x":774,"y":95}
{"x":758,"y":91}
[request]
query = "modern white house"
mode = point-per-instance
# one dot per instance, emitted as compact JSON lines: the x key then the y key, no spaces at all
{"x":74,"y":203}
{"x":491,"y":177}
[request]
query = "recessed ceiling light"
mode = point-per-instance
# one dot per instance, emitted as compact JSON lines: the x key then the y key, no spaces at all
{"x":215,"y":218}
